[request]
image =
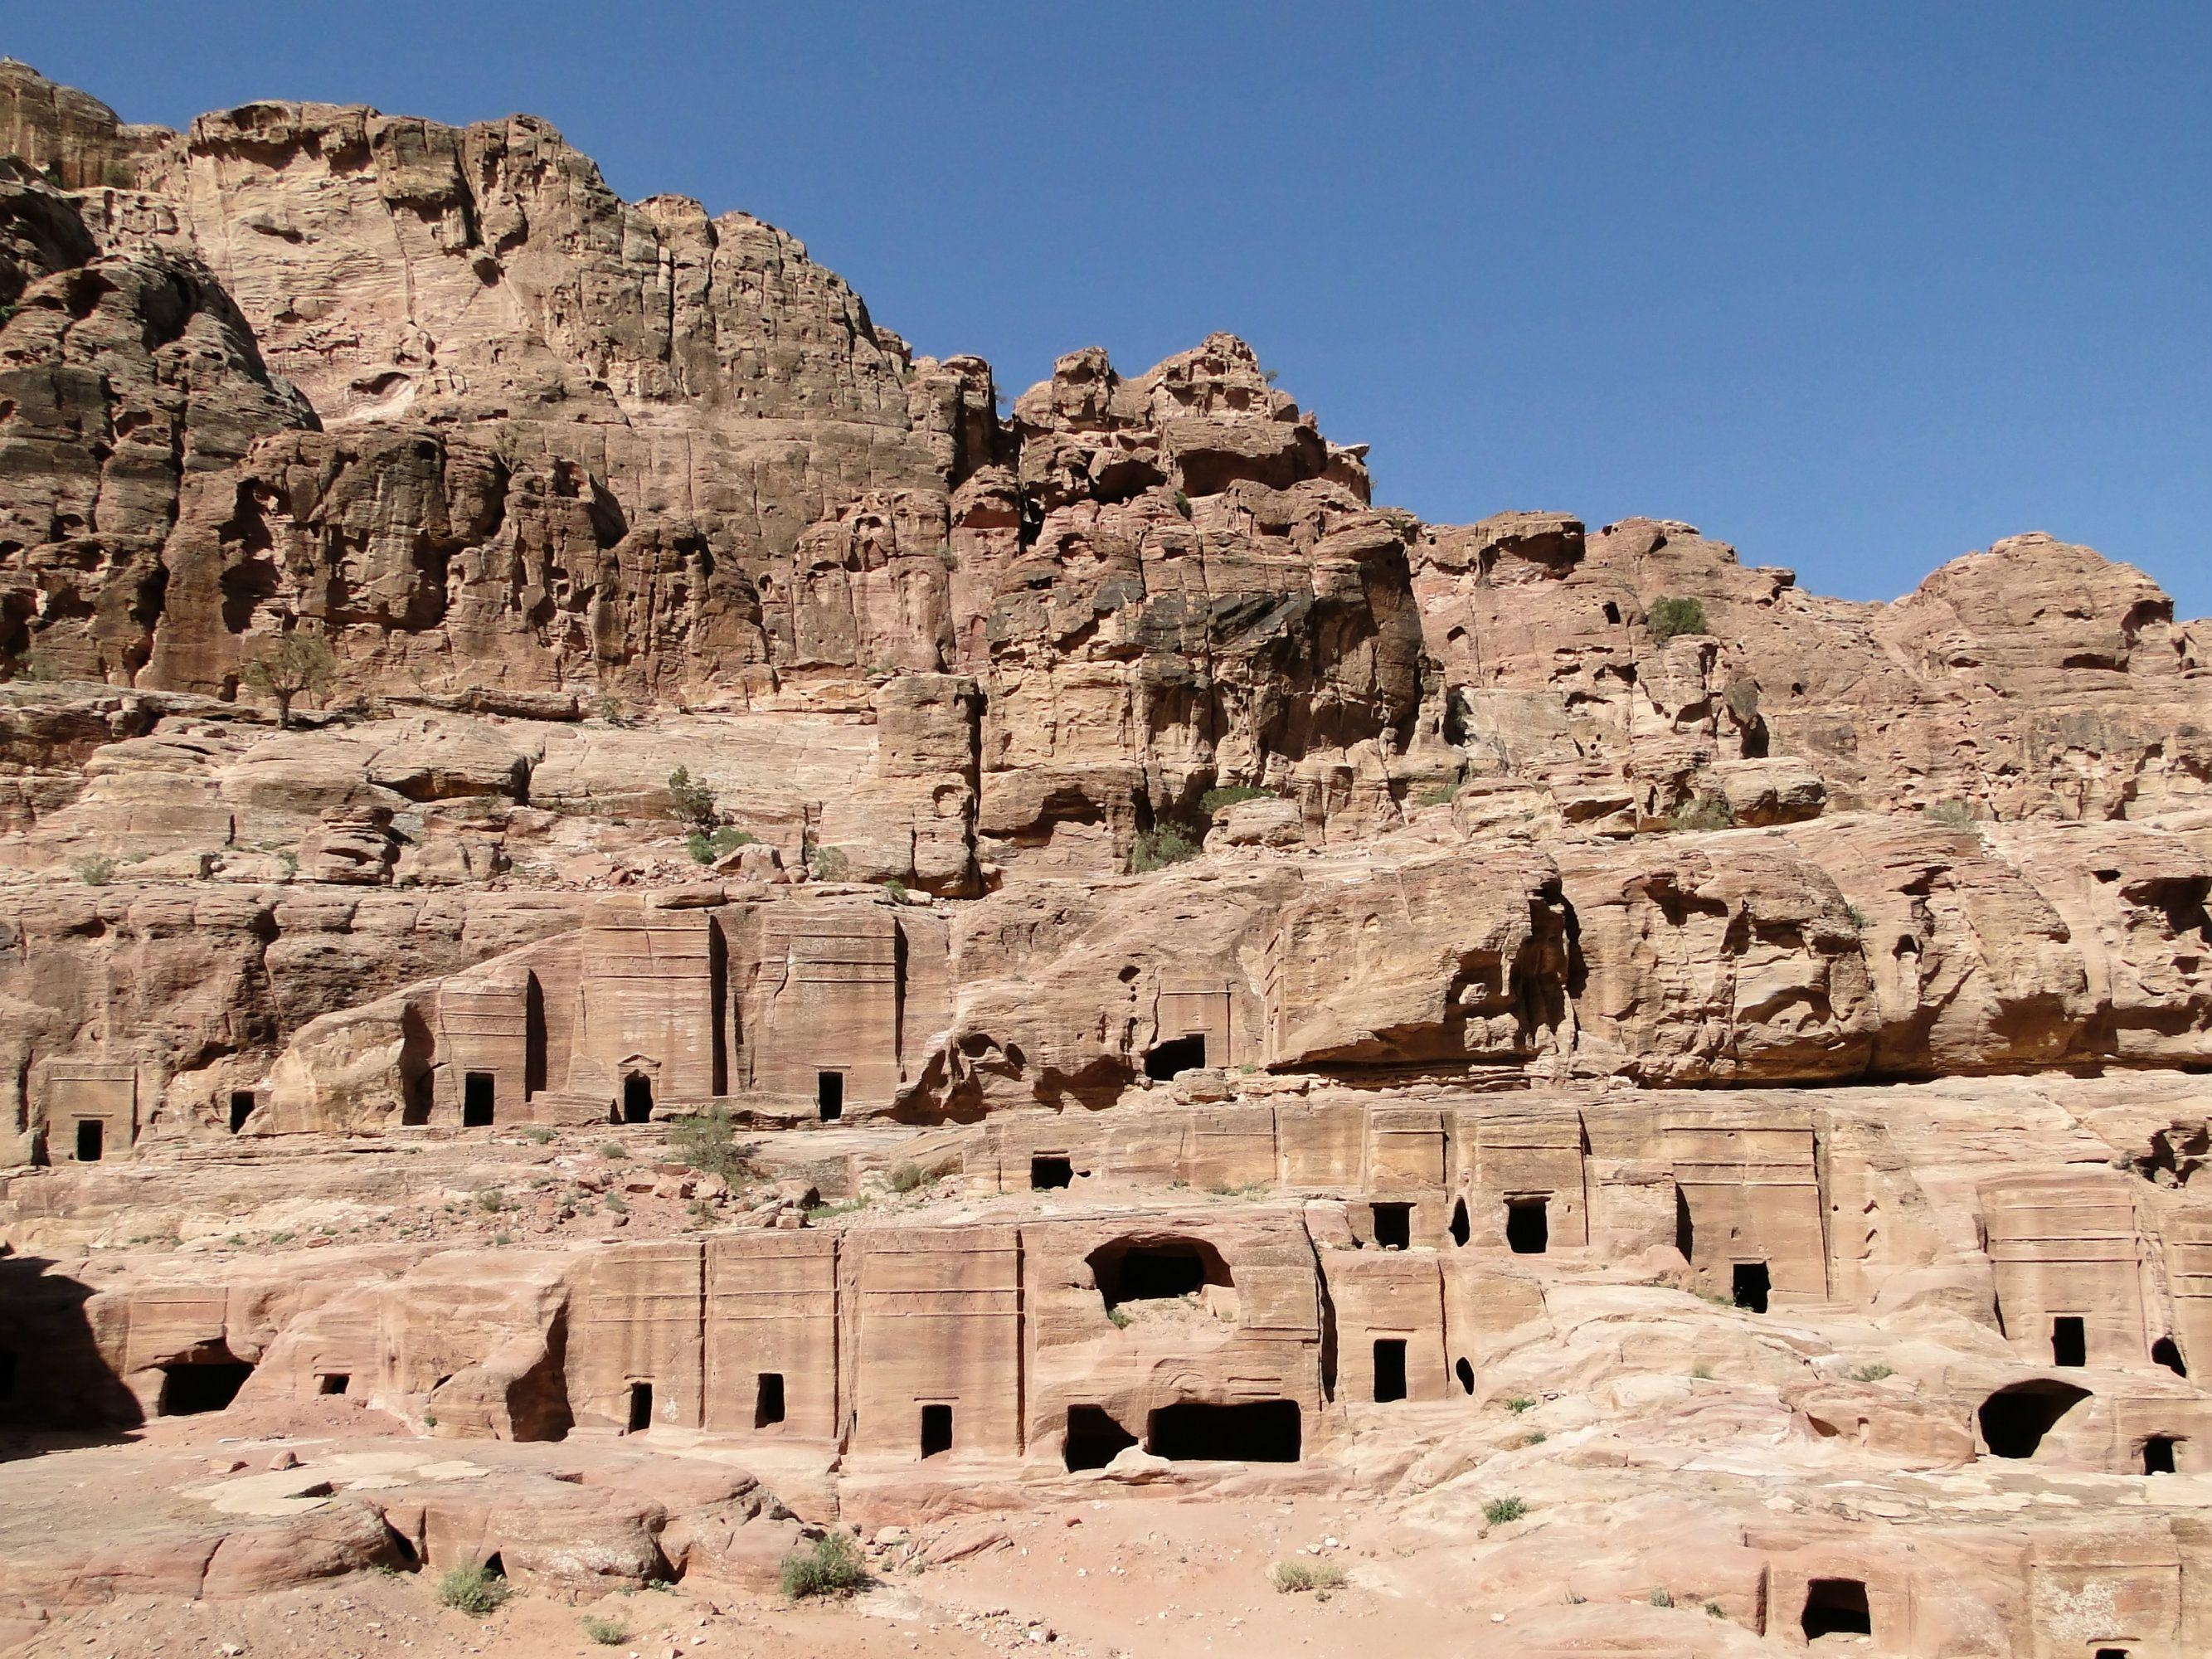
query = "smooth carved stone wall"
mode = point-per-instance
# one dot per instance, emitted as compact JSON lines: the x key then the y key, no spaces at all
{"x":1750,"y":1183}
{"x":2066,"y":1245}
{"x":937,"y":1323}
{"x":825,"y":997}
{"x":649,"y":1003}
{"x":772,"y":1311}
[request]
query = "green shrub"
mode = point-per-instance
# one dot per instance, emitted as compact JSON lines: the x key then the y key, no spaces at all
{"x":1498,"y":1510}
{"x":613,"y":1151}
{"x":1228,"y":795}
{"x":1120,"y":1316}
{"x":96,"y":872}
{"x":607,"y":1632}
{"x":689,"y":802}
{"x":1671,"y":617}
{"x":1951,"y":814}
{"x":831,"y":1566}
{"x":832,"y":863}
{"x":474,"y":1589}
{"x":538,"y":1133}
{"x":1703,"y":812}
{"x":708,"y":1142}
{"x":1182,"y":503}
{"x":1873,"y":1373}
{"x":296,"y":664}
{"x":615,"y":1204}
{"x":1858,"y":916}
{"x":1660,"y":1598}
{"x":1519,"y":1403}
{"x":706,"y":848}
{"x":1158,"y":847}
{"x":1292,"y":1576}
{"x":1440,"y":796}
{"x":490,"y":1199}
{"x":1715,"y":1610}
{"x":905,"y":1178}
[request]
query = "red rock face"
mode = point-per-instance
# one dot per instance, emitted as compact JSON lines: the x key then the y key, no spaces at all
{"x":803,"y":952}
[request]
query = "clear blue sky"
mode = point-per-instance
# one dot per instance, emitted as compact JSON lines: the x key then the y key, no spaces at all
{"x":1857,"y":288}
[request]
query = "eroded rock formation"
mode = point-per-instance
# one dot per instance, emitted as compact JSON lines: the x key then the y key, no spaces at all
{"x":819,"y":954}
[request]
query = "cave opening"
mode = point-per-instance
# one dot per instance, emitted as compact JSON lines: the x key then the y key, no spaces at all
{"x":2016,"y":1418}
{"x":191,"y":1387}
{"x":1175,"y":1056}
{"x":1836,"y":1606}
{"x":1253,"y":1431}
{"x":1095,"y":1438}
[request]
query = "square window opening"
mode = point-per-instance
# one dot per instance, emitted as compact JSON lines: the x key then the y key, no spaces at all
{"x":2158,"y":1455}
{"x":333,"y":1382}
{"x":1048,"y":1173}
{"x":1394,"y":1226}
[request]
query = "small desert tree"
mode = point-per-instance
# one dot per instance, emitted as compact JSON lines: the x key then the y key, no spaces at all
{"x":297,"y":664}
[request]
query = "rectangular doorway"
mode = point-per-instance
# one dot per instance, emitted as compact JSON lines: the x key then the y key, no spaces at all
{"x":477,"y":1094}
{"x":641,"y":1408}
{"x":2069,"y":1340}
{"x":91,"y":1139}
{"x":829,"y":1095}
{"x":936,"y":1431}
{"x":1394,"y":1226}
{"x":767,"y":1400}
{"x":1389,"y":1369}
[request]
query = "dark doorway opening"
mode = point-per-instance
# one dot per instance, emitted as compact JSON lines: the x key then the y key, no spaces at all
{"x":1465,"y":1372}
{"x":477,"y":1092}
{"x":333,"y":1382}
{"x":641,"y":1408}
{"x":190,"y":1389}
{"x":1460,"y":1230}
{"x":1528,"y":1225}
{"x":829,"y":1095}
{"x":91,"y":1139}
{"x":936,"y":1431}
{"x":493,"y":1566}
{"x":767,"y":1400}
{"x":2111,"y":1653}
{"x":1685,"y":1232}
{"x":1389,"y":1369}
{"x":2069,"y":1341}
{"x":637,"y":1098}
{"x":422,"y":1094}
{"x":1261,"y":1431}
{"x":1046,"y":1173}
{"x":2015,"y":1419}
{"x":1093,"y":1439}
{"x":1394,"y":1226}
{"x":2167,"y":1353}
{"x":1174,"y":1057}
{"x":1836,"y":1606}
{"x":241,"y":1108}
{"x":7,"y":1374}
{"x":1750,"y":1286}
{"x":2158,"y":1455}
{"x":1155,"y":1269}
